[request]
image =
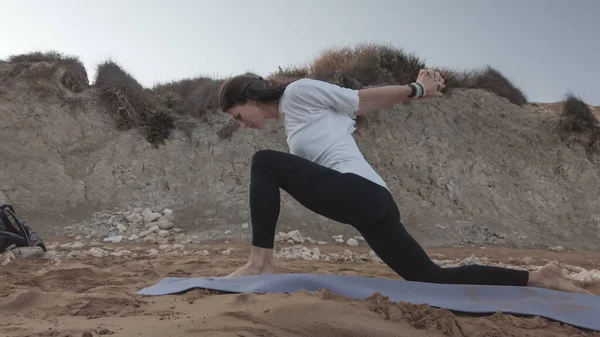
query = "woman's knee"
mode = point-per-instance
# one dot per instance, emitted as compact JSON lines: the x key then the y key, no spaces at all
{"x":263,"y":158}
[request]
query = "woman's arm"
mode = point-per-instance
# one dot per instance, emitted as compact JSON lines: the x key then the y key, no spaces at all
{"x":372,"y":99}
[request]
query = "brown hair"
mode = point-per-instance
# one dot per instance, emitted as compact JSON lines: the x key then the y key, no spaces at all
{"x":241,"y":88}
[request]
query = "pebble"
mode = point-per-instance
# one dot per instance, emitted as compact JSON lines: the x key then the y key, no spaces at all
{"x":352,"y":242}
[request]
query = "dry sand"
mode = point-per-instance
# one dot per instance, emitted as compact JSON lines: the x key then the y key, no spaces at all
{"x":96,"y":296}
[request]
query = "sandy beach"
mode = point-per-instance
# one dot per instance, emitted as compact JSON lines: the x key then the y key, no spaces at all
{"x":95,"y":296}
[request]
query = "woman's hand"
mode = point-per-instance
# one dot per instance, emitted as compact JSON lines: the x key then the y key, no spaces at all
{"x":432,"y":82}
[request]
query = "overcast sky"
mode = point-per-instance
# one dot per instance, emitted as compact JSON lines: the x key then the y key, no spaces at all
{"x":546,"y":47}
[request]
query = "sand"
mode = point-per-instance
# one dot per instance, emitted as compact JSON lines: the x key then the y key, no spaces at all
{"x":96,"y":297}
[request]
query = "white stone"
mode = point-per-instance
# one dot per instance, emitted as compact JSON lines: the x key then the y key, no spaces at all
{"x":121,"y":228}
{"x":113,"y":239}
{"x":152,"y":252}
{"x":133,"y":237}
{"x":352,"y":242}
{"x":557,"y":249}
{"x":226,"y":252}
{"x":227,"y":232}
{"x":322,"y":243}
{"x":245,"y":225}
{"x":178,"y":246}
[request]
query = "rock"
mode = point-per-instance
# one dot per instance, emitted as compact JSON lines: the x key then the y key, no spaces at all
{"x":295,"y":236}
{"x":178,"y":246}
{"x":471,"y":260}
{"x":113,"y":239}
{"x":528,"y":260}
{"x":147,"y":232}
{"x":162,"y":240}
{"x":134,"y":218}
{"x":133,"y":237}
{"x":227,"y":232}
{"x":73,"y":245}
{"x":352,"y":242}
{"x":165,"y":247}
{"x":121,"y":228}
{"x":338,"y":238}
{"x":148,"y":216}
{"x":177,"y":230}
{"x":6,"y":258}
{"x":27,"y":252}
{"x":226,"y":252}
{"x":321,"y":242}
{"x":167,"y":212}
{"x":557,"y":249}
{"x":165,"y":224}
{"x":245,"y":225}
{"x":121,"y":253}
{"x":152,"y":252}
{"x":150,"y":239}
{"x":163,"y":233}
{"x":97,"y":252}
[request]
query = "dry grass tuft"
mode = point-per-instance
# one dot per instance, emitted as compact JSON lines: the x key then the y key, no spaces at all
{"x":73,"y":76}
{"x":197,"y":96}
{"x":366,"y":65}
{"x":487,"y":79}
{"x":134,"y":106}
{"x":577,"y":116}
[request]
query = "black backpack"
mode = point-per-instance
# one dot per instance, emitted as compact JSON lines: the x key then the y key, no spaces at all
{"x":15,"y":231}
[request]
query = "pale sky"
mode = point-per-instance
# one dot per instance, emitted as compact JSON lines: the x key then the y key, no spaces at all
{"x":546,"y":47}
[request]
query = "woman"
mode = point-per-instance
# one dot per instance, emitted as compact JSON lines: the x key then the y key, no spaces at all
{"x":327,"y":173}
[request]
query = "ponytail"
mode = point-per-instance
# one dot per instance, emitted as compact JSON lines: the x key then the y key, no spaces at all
{"x":240,"y":89}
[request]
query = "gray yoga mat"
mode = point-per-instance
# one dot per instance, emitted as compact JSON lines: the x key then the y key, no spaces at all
{"x":578,"y":310}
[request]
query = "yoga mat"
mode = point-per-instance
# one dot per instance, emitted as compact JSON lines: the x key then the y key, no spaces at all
{"x":579,"y":310}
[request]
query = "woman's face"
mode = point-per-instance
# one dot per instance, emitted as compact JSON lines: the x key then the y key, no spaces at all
{"x":248,"y":115}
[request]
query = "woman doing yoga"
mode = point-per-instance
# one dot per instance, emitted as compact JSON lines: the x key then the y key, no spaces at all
{"x":327,"y":173}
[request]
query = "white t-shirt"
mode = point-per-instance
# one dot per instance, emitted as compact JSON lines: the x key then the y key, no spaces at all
{"x":319,"y":120}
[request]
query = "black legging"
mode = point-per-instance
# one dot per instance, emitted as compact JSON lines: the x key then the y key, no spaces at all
{"x":354,"y":200}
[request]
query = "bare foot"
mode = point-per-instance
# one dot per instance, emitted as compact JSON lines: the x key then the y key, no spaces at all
{"x":249,"y":269}
{"x":551,"y":276}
